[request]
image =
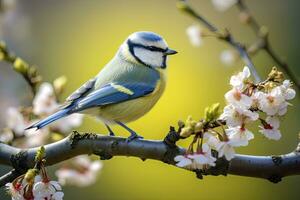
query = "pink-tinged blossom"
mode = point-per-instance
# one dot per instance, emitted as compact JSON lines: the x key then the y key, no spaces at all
{"x":15,"y":121}
{"x":236,"y":98}
{"x":270,"y":128}
{"x":44,"y":102}
{"x":273,"y":103}
{"x":50,"y":190}
{"x":82,"y":173}
{"x":224,"y":148}
{"x":203,"y":157}
{"x":239,"y":136}
{"x":15,"y":190}
{"x":236,"y":116}
{"x":65,"y":125}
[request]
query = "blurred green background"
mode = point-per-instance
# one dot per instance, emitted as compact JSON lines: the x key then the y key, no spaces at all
{"x":77,"y":37}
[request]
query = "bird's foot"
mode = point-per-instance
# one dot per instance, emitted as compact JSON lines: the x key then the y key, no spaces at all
{"x":110,"y":131}
{"x":133,"y":136}
{"x":111,"y":134}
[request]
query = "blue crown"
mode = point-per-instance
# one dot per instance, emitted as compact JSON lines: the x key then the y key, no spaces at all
{"x":149,"y":36}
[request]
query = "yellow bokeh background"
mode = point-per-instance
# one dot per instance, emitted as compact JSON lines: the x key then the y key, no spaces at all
{"x":76,"y":38}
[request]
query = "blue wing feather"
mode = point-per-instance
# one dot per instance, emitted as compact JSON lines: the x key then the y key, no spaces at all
{"x":108,"y":94}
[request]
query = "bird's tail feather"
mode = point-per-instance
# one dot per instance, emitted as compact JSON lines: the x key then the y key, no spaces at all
{"x":44,"y":122}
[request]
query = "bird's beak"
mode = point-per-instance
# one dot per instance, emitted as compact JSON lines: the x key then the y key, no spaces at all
{"x":170,"y":52}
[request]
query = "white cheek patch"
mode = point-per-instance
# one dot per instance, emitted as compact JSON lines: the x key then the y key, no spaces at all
{"x":152,"y":58}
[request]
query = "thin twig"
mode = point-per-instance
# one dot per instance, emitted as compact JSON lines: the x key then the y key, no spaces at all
{"x":226,"y":37}
{"x":29,"y":73}
{"x":257,"y":28}
{"x":251,"y":20}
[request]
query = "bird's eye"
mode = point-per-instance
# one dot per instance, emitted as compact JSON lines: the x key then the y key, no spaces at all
{"x":152,"y":48}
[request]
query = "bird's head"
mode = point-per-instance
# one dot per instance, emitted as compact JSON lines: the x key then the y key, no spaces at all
{"x":146,"y":48}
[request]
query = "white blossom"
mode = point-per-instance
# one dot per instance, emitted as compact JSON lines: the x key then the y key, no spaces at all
{"x":228,"y":57}
{"x":239,"y":136}
{"x":238,"y":80}
{"x":34,"y":138}
{"x":50,"y":190}
{"x":203,"y":157}
{"x":84,"y":172}
{"x":194,"y":34}
{"x":66,"y":124}
{"x":183,"y":161}
{"x":287,"y":91}
{"x":238,"y":99}
{"x":236,"y":116}
{"x":223,"y":5}
{"x":44,"y":102}
{"x":270,"y":130}
{"x":15,"y":191}
{"x":224,"y":148}
{"x":273,"y":102}
{"x":15,"y":121}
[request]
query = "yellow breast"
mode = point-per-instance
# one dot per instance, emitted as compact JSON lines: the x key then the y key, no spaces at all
{"x":133,"y":109}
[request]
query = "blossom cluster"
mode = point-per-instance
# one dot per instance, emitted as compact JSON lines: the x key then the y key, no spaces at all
{"x":44,"y":104}
{"x":247,"y":102}
{"x":35,"y":184}
{"x":80,"y":171}
{"x":40,"y":188}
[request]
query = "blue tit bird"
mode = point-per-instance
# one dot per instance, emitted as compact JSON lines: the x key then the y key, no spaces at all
{"x":126,"y":88}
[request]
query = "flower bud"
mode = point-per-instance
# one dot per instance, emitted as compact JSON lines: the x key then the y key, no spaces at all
{"x":21,"y":66}
{"x":276,"y":75}
{"x":180,"y":123}
{"x":30,"y":174}
{"x":186,"y":132}
{"x":40,"y":154}
{"x":198,"y":127}
{"x":190,"y":122}
{"x":59,"y":84}
{"x":2,"y":45}
{"x":212,"y":112}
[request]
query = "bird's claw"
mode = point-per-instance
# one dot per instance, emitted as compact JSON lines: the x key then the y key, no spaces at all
{"x":133,"y":137}
{"x":111,"y":134}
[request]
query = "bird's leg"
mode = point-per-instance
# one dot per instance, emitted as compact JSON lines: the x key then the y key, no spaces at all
{"x":133,"y":134}
{"x":111,"y":133}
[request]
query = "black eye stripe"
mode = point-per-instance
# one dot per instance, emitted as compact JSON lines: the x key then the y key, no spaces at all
{"x":150,"y":48}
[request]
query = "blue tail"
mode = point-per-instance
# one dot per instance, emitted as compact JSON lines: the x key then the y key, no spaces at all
{"x":44,"y":122}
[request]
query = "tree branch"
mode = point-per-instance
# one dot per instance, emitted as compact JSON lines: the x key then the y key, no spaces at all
{"x":272,"y":168}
